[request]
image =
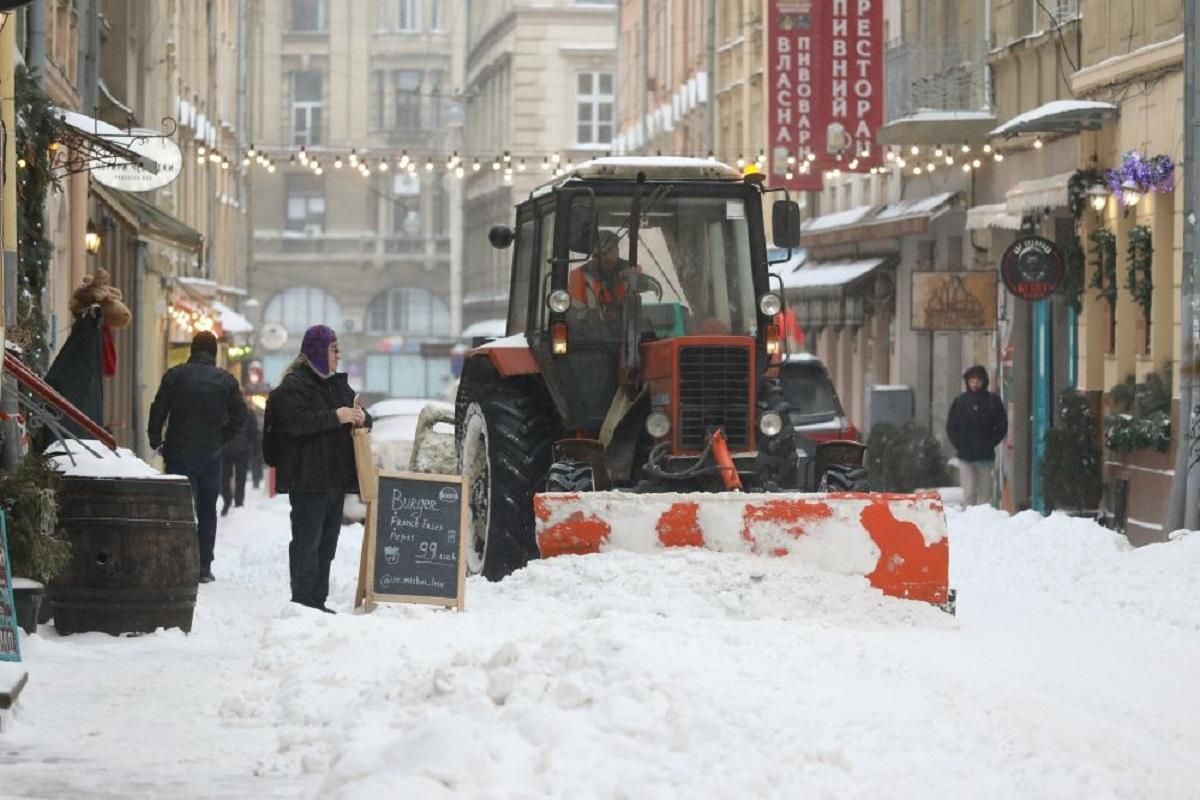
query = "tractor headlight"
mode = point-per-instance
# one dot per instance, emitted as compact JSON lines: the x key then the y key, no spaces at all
{"x":658,"y":424}
{"x":559,"y":301}
{"x":770,"y":304}
{"x":770,"y":423}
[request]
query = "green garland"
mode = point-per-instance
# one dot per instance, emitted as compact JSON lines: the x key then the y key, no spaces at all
{"x":1072,"y":286}
{"x":1141,"y":416}
{"x":37,"y":127}
{"x":29,"y":499}
{"x":1104,"y":244}
{"x":1077,"y":190}
{"x":1138,"y":274}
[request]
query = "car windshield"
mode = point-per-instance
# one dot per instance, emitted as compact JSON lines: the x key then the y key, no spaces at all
{"x":695,"y":259}
{"x":809,"y":392}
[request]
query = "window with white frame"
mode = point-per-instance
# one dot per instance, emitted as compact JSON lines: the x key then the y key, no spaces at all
{"x":435,"y":15}
{"x":408,"y":15}
{"x":307,"y":105}
{"x":308,"y":16}
{"x":593,"y":108}
{"x":408,"y":311}
{"x":299,"y":307}
{"x":305,"y":204}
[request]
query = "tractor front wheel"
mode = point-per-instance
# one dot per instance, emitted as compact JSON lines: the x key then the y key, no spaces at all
{"x":506,"y":438}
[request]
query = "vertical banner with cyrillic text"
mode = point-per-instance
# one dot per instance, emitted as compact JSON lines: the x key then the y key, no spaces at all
{"x":825,"y":91}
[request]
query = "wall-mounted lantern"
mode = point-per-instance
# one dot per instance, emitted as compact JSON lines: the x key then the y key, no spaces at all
{"x":91,"y":239}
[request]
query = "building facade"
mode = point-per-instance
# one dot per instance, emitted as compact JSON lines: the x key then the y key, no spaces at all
{"x":355,"y":214}
{"x":540,"y":93}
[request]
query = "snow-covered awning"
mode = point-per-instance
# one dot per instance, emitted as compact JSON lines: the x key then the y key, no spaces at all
{"x":97,"y":143}
{"x":230,"y":320}
{"x":937,"y":127}
{"x":830,"y":274}
{"x":1049,"y":192}
{"x":996,"y":215}
{"x":1058,"y":116}
{"x":866,"y":223}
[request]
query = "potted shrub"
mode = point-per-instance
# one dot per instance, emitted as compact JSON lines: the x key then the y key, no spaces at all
{"x":904,"y":459}
{"x":1072,"y":477}
{"x":36,"y":547}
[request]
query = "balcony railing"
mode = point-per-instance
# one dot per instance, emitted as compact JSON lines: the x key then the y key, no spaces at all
{"x":346,"y":245}
{"x":940,"y":76}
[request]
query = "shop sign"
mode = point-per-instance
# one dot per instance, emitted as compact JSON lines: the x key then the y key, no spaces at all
{"x":825,"y":90}
{"x":131,"y":177}
{"x":954,"y":301}
{"x":1032,"y":267}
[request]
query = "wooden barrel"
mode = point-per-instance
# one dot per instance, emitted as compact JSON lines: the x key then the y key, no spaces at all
{"x":135,"y":559}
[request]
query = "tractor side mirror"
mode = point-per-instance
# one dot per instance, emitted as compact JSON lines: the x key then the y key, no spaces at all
{"x":501,"y":236}
{"x":785,"y":223}
{"x":581,"y":226}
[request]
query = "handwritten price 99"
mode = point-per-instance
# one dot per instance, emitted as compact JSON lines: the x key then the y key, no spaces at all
{"x":428,"y":550}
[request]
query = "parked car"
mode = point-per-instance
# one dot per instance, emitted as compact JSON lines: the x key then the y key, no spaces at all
{"x":816,"y":413}
{"x":394,"y":429}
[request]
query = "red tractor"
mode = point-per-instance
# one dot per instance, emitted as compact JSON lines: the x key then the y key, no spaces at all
{"x":635,"y":401}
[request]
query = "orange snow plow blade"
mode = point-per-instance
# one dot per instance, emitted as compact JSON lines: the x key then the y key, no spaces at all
{"x":898,"y":541}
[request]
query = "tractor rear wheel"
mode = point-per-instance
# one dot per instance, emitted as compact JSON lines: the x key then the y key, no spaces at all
{"x":507,"y":432}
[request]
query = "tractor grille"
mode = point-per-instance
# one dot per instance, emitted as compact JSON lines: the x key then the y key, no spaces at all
{"x":714,"y":391}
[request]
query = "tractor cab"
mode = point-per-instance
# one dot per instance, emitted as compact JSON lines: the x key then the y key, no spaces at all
{"x":642,"y":290}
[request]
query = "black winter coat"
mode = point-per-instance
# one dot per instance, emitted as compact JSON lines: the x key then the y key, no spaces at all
{"x":977,"y":422}
{"x":245,"y":444}
{"x":316,"y":452}
{"x":202,"y":407}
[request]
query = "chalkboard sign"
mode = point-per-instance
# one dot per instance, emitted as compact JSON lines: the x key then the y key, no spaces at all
{"x":415,"y":540}
{"x":10,"y":643}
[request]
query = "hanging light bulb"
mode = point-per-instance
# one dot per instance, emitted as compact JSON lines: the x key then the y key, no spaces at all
{"x":545,"y":163}
{"x":987,"y":148}
{"x":891,"y":156}
{"x":337,"y":162}
{"x":966,"y":148}
{"x":475,"y":166}
{"x":711,"y":156}
{"x":428,"y":164}
{"x":791,"y":161}
{"x":901,"y":163}
{"x":741,"y":162}
{"x":383,"y":165}
{"x":997,"y":156}
{"x":811,"y":157}
{"x":914,"y":150}
{"x":966,"y":167}
{"x":521,"y":165}
{"x":404,"y":160}
{"x":353,"y":157}
{"x":459,"y":171}
{"x":1037,"y":143}
{"x":939,"y":152}
{"x":976,"y":163}
{"x":495,"y":163}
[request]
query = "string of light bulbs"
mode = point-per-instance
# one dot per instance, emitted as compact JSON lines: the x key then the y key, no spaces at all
{"x":912,"y":160}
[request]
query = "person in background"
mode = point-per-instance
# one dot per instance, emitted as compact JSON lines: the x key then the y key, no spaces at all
{"x":235,"y":460}
{"x":977,"y":422}
{"x":256,"y":457}
{"x":202,"y":407}
{"x":306,"y":437}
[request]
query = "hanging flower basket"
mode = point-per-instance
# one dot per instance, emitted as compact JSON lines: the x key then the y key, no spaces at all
{"x":1156,"y":174}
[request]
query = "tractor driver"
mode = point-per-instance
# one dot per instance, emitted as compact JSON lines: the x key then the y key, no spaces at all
{"x":598,"y":283}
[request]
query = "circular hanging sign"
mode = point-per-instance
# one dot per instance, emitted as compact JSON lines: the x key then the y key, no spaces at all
{"x":1032,"y":267}
{"x":132,"y":178}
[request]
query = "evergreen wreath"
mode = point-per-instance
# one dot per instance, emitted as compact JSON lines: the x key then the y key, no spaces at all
{"x":1077,"y":190}
{"x":1072,"y":285}
{"x":37,"y":128}
{"x":1104,"y":244}
{"x":1138,"y":278}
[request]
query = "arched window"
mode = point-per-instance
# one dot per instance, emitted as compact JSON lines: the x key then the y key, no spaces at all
{"x":301,"y":306}
{"x":408,"y":311}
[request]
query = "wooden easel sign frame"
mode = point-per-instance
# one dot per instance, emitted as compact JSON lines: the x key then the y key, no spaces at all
{"x":416,"y":527}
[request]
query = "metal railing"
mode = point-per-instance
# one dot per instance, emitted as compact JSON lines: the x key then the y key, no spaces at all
{"x":941,"y":76}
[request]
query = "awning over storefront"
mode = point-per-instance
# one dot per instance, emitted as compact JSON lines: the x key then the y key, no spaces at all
{"x":1028,"y":196}
{"x":995,"y":216}
{"x":867,"y":223}
{"x":831,"y":293}
{"x":96,"y":143}
{"x":1057,"y":116}
{"x":230,"y":320}
{"x":150,"y":221}
{"x":938,"y":127}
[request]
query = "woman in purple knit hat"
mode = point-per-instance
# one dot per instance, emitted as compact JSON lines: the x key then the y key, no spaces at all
{"x":306,"y":437}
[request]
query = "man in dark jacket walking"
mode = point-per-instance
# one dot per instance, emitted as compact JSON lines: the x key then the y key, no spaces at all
{"x":192,"y":399}
{"x":236,"y":459}
{"x":977,"y":422}
{"x":306,"y":433}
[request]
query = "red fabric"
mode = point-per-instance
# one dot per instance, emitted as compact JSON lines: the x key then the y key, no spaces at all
{"x":108,"y":352}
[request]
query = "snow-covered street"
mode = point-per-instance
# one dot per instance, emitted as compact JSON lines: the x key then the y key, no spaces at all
{"x":1070,"y":671}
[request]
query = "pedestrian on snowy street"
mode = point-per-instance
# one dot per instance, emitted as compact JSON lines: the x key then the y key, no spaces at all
{"x":235,"y":461}
{"x":977,"y":422}
{"x":306,"y":437}
{"x":193,"y":399}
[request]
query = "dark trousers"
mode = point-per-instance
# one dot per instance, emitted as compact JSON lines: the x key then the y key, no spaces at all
{"x":316,"y":523}
{"x":233,"y":479}
{"x":205,"y":478}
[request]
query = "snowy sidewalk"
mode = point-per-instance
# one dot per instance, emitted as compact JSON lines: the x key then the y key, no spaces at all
{"x":1069,"y":672}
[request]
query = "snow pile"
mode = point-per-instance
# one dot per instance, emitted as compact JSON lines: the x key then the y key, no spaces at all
{"x":684,"y":673}
{"x":91,"y":459}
